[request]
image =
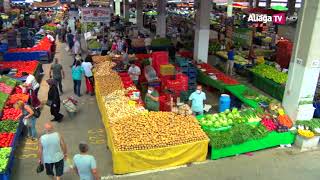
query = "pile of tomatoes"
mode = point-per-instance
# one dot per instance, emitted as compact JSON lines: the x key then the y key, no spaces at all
{"x":6,"y":139}
{"x":11,"y":114}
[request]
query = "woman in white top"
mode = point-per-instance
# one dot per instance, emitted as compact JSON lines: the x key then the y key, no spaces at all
{"x":31,"y":82}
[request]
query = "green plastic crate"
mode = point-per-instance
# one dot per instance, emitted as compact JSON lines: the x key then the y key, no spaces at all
{"x":238,"y":91}
{"x":273,"y":139}
{"x":270,"y":87}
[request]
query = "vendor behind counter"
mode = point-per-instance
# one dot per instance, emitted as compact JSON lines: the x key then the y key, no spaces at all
{"x":152,"y":99}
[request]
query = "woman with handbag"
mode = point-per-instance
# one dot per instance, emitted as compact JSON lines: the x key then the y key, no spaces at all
{"x":29,"y":118}
{"x":54,"y":100}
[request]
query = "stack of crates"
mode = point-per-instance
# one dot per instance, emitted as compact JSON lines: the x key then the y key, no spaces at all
{"x":190,"y":70}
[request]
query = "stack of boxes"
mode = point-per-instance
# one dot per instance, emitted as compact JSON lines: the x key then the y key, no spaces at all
{"x":189,"y":70}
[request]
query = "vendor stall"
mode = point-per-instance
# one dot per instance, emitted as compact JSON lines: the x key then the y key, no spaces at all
{"x":10,"y":126}
{"x":160,"y":149}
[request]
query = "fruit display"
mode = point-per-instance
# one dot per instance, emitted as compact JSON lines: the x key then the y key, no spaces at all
{"x":11,"y":114}
{"x":155,"y":130}
{"x":306,"y":133}
{"x":270,"y":72}
{"x":237,"y":58}
{"x":17,"y":97}
{"x":6,"y":139}
{"x":20,"y":66}
{"x":99,"y":59}
{"x":4,"y":158}
{"x":9,"y":126}
{"x":117,"y":106}
{"x":49,"y":27}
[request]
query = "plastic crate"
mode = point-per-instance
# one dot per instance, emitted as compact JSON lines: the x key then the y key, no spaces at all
{"x":192,"y":79}
{"x":192,"y":70}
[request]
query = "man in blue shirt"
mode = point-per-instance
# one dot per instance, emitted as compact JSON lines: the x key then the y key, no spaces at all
{"x":230,"y":61}
{"x":84,"y":164}
{"x":197,"y":99}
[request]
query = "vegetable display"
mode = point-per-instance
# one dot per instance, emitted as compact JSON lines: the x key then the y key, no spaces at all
{"x":238,"y":134}
{"x":270,"y":72}
{"x":11,"y":114}
{"x":21,"y":66}
{"x":228,"y":118}
{"x":5,"y":88}
{"x":9,"y":126}
{"x":4,"y":158}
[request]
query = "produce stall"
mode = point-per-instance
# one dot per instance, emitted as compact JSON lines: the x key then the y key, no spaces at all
{"x":16,"y":68}
{"x":140,"y":140}
{"x":42,"y":52}
{"x":211,"y":76}
{"x":236,"y":132}
{"x":10,"y":125}
{"x":270,"y":80}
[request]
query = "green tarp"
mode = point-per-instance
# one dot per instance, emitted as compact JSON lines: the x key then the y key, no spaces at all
{"x":238,"y":91}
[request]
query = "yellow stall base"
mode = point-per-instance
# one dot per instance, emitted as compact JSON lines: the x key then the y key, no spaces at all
{"x":142,"y":160}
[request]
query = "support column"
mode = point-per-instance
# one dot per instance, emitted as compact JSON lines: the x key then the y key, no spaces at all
{"x":118,"y":7}
{"x":268,"y":4}
{"x":291,"y":5}
{"x":111,"y":4}
{"x":126,"y":7}
{"x":257,"y":3}
{"x":251,"y":3}
{"x":305,"y":64}
{"x":229,"y":8}
{"x":161,"y":18}
{"x":139,"y":16}
{"x":201,"y":42}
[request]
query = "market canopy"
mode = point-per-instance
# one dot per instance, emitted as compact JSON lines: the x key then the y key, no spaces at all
{"x":46,"y":4}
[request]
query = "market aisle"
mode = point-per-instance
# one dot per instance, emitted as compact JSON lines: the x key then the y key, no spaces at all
{"x":86,"y":125}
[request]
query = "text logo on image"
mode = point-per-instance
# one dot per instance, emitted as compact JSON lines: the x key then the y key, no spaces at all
{"x":279,"y":18}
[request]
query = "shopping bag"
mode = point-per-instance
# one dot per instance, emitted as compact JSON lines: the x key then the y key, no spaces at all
{"x":40,"y":168}
{"x":67,"y":166}
{"x":67,"y":49}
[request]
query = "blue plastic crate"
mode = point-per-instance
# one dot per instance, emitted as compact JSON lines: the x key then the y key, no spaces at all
{"x":192,"y":80}
{"x":182,"y":62}
{"x":192,"y":70}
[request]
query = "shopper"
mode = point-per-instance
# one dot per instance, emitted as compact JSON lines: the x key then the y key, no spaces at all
{"x":104,"y":47}
{"x":76,"y":47}
{"x":52,"y":151}
{"x":87,"y":67}
{"x":197,"y":99}
{"x":230,"y":61}
{"x":57,"y":73}
{"x":70,"y":41}
{"x":31,"y":82}
{"x":28,"y":118}
{"x":84,"y":164}
{"x":54,"y":100}
{"x":152,"y":99}
{"x":147,"y":43}
{"x":134,"y":72}
{"x":77,"y":73}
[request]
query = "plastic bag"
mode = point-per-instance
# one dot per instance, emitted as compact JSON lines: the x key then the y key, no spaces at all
{"x":68,"y":167}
